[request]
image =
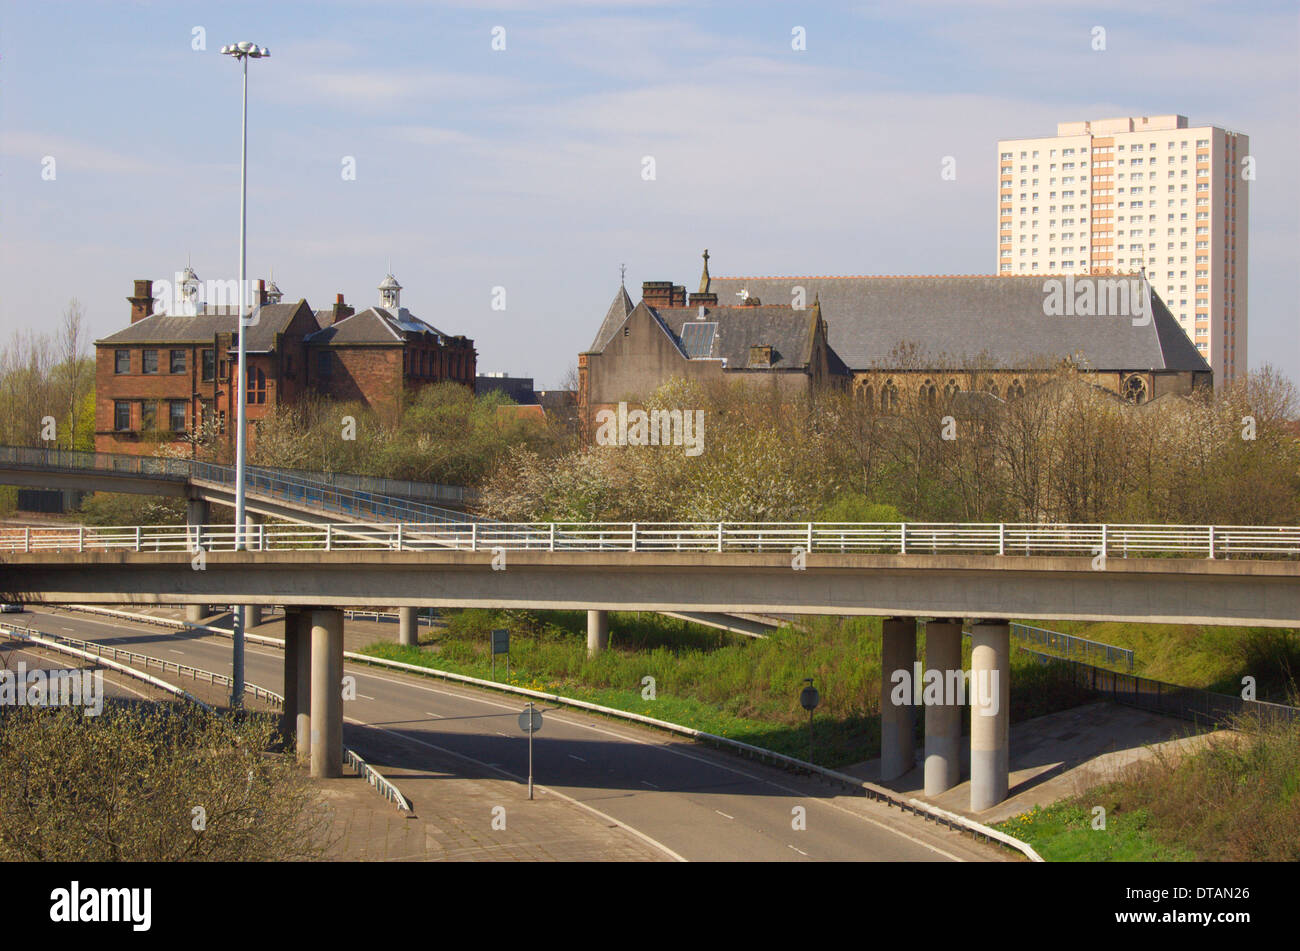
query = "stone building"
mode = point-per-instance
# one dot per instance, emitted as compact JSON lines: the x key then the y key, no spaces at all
{"x":892,"y":338}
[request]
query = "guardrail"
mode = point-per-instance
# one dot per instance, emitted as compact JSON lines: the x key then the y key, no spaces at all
{"x":131,"y":657}
{"x":928,"y":538}
{"x":373,"y":776}
{"x":103,"y":651}
{"x":53,"y":642}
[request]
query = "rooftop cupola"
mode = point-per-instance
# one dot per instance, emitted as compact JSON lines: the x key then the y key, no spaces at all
{"x":390,"y":293}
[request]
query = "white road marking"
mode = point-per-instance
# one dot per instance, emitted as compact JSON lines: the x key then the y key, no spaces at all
{"x":364,"y":697}
{"x":436,"y":716}
{"x":648,"y":783}
{"x":175,"y":651}
{"x":467,"y":694}
{"x":578,"y":758}
{"x":545,"y":789}
{"x":800,"y":851}
{"x":723,"y":814}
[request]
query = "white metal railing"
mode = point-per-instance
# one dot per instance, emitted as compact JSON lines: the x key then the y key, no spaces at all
{"x":125,"y":657}
{"x":1278,"y":542}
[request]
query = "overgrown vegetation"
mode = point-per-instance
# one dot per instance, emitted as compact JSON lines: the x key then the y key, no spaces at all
{"x":1065,"y":451}
{"x":44,"y":376}
{"x":1237,"y":799}
{"x":445,"y":434}
{"x":125,"y":786}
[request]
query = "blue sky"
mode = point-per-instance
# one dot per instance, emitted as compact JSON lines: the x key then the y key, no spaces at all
{"x":522,"y":168}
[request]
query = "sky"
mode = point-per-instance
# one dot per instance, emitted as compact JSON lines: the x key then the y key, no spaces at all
{"x":524,"y":168}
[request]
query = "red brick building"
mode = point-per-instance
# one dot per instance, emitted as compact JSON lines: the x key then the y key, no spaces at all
{"x":169,"y":378}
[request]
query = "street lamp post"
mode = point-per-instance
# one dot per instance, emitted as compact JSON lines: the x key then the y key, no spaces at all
{"x":242,"y":52}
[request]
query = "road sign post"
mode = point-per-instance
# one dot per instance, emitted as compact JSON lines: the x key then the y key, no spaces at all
{"x":500,"y":645}
{"x":530,"y":721}
{"x":809,"y":699}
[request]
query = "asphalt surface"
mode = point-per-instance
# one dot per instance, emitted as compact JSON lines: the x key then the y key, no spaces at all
{"x":690,"y":802}
{"x":117,"y":686}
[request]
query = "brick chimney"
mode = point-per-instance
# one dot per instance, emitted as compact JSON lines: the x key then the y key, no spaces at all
{"x":142,"y":301}
{"x":657,"y":293}
{"x":341,"y":310}
{"x":261,"y":292}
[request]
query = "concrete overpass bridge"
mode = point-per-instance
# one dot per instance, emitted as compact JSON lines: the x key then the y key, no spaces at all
{"x":288,"y":494}
{"x":1245,"y":575}
{"x":292,"y":494}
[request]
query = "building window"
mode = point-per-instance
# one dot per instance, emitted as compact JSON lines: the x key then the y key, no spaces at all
{"x":121,"y":416}
{"x":177,"y":361}
{"x":148,"y":415}
{"x":1135,"y":389}
{"x":209,"y":361}
{"x":176,"y":415}
{"x":256,"y":386}
{"x":889,"y":397}
{"x":121,"y":361}
{"x":149,"y":361}
{"x":325,"y":363}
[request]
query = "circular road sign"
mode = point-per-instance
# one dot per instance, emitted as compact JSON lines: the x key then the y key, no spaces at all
{"x":530,"y":724}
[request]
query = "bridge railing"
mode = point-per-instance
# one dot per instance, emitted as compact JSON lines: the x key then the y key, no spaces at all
{"x":302,"y":491}
{"x":1189,"y":703}
{"x":75,"y":459}
{"x":1013,"y":540}
{"x":359,"y":496}
{"x":1073,"y":646}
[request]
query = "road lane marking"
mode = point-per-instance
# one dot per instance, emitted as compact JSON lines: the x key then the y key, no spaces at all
{"x":800,"y":851}
{"x":546,"y":789}
{"x":578,"y":758}
{"x":648,"y":783}
{"x":175,"y":651}
{"x":468,"y":694}
{"x":364,"y":697}
{"x":723,"y":814}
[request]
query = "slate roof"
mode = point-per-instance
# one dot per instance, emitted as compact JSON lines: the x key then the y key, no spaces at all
{"x":962,"y":317}
{"x":374,"y":325}
{"x":786,"y":330}
{"x":202,"y":327}
{"x":614,"y":318}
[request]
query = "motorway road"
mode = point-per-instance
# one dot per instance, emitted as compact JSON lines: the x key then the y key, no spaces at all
{"x":117,"y":686}
{"x":692,"y":802}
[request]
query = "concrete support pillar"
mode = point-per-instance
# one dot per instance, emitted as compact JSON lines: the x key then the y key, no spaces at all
{"x":897,"y":652}
{"x":326,"y":693}
{"x":597,"y":632}
{"x":252,"y":612}
{"x":197,"y":512}
{"x":292,"y":646}
{"x":990,"y":713}
{"x":943,"y":720}
{"x":196,"y":515}
{"x":408,"y":627}
{"x":301,"y":675}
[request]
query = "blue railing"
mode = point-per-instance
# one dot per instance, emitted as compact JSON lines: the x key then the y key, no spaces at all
{"x":287,"y":485}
